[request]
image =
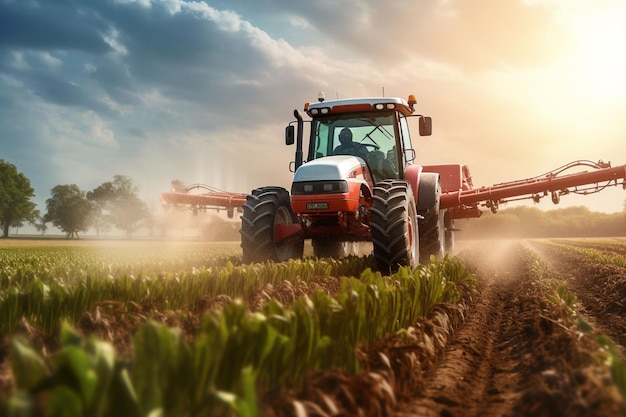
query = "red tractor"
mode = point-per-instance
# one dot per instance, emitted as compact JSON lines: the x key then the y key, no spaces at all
{"x":356,"y":182}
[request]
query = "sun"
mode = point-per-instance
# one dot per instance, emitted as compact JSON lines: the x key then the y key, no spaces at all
{"x":596,"y":63}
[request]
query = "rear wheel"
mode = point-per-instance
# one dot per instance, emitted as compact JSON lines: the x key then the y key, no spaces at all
{"x":431,"y":223}
{"x":266,"y":208}
{"x":394,"y":226}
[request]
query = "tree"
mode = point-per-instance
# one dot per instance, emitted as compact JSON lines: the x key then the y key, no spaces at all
{"x":69,"y":210}
{"x":128,"y":213}
{"x":39,"y":223}
{"x":128,"y":209}
{"x":101,"y":197}
{"x":117,"y":202}
{"x":219,"y":229}
{"x":15,"y":195}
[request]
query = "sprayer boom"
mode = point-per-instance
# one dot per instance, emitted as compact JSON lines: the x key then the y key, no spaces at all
{"x":463,"y":203}
{"x":200,"y":198}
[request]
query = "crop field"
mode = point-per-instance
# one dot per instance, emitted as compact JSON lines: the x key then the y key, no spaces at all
{"x":502,"y":328}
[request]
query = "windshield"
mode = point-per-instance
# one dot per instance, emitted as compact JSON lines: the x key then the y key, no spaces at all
{"x":370,"y":136}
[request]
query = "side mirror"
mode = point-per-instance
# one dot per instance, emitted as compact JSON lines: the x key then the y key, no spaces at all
{"x":409,"y":155}
{"x":426,"y":126}
{"x":290,"y":135}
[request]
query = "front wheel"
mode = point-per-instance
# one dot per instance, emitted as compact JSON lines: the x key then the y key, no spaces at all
{"x":265,"y":208}
{"x":394,"y":226}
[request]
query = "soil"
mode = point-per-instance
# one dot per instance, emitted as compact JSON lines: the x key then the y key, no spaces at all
{"x":600,"y":288}
{"x":515,"y":355}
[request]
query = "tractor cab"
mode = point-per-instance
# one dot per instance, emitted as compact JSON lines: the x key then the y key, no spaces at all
{"x":371,"y":136}
{"x":373,"y":129}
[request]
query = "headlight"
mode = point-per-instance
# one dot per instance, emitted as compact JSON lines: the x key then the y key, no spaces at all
{"x":319,"y":187}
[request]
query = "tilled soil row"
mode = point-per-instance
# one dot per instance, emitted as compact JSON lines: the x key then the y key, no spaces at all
{"x":475,"y":365}
{"x":519,"y":354}
{"x":610,"y":247}
{"x":600,"y":289}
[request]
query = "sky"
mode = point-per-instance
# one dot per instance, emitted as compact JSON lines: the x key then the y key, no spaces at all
{"x":201,"y":91}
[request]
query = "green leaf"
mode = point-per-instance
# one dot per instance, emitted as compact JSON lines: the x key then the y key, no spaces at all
{"x":102,"y":358}
{"x":73,"y":364}
{"x":64,"y":402}
{"x":157,"y":412}
{"x":20,"y":405}
{"x":122,"y":400}
{"x":149,"y":353}
{"x":69,"y":336}
{"x":28,"y":366}
{"x":247,"y":403}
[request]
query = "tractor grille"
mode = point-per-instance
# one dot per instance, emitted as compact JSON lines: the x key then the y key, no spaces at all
{"x":319,"y":187}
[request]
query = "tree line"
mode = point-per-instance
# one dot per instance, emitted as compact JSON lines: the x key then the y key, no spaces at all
{"x":531,"y":222}
{"x":70,"y":209}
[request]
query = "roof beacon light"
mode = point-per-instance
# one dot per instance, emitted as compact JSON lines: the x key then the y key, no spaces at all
{"x":321,"y":97}
{"x":412,"y":102}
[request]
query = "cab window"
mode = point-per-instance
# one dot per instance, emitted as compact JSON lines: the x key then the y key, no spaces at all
{"x":373,"y":139}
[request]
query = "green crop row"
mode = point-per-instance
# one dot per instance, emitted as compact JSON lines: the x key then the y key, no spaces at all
{"x":19,"y":266}
{"x":596,"y":255}
{"x":235,"y":357}
{"x":41,"y":294}
{"x":614,"y":244}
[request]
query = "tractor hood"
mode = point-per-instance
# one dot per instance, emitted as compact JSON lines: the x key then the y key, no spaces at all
{"x":330,"y":185}
{"x":339,"y":167}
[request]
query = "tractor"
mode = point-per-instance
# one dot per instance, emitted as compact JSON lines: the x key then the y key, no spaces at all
{"x":358,"y":184}
{"x":357,"y":181}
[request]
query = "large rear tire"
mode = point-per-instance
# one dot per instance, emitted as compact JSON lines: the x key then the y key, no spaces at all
{"x":264,"y":209}
{"x":394,"y":226}
{"x":431,"y":222}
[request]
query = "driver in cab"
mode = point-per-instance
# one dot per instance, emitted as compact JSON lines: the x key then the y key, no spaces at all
{"x":380,"y":166}
{"x":347,"y":146}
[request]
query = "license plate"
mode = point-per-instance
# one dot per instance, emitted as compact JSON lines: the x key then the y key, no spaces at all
{"x":317,"y":206}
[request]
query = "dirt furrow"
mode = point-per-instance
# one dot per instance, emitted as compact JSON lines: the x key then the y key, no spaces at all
{"x":478,"y":374}
{"x":515,"y":356}
{"x":599,"y":288}
{"x":475,"y":366}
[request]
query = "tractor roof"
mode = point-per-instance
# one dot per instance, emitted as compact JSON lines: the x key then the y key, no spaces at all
{"x":360,"y":104}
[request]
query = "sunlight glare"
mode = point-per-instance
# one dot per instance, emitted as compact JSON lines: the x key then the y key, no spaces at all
{"x":597,"y":63}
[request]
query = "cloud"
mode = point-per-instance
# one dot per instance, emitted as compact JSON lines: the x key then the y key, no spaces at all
{"x":58,"y":25}
{"x":469,"y":34}
{"x":202,"y":90}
